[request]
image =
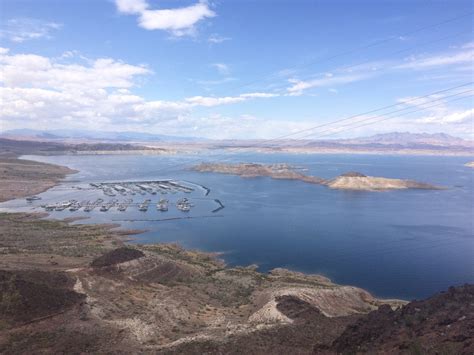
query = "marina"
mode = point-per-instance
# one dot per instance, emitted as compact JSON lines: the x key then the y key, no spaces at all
{"x":162,"y":205}
{"x":152,"y":187}
{"x":115,"y":201}
{"x":124,"y":196}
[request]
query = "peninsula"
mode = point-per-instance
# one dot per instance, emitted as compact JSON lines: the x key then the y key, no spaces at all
{"x":347,"y":181}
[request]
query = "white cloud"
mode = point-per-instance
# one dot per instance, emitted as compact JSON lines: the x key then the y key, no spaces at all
{"x":131,"y":7}
{"x":98,"y":93}
{"x":215,"y":39}
{"x":37,"y":71}
{"x":222,"y":68}
{"x":209,"y":101}
{"x":217,"y":126}
{"x":216,"y":82}
{"x":24,"y":29}
{"x":261,"y":95}
{"x":462,"y":57}
{"x":438,"y":114}
{"x":455,"y":117}
{"x":178,"y":21}
{"x":299,"y":86}
{"x":455,"y":65}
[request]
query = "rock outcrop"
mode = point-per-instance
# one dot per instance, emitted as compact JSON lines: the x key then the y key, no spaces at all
{"x":347,"y":181}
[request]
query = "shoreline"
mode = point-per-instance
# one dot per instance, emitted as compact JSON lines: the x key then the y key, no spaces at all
{"x":119,"y":230}
{"x":22,"y":177}
{"x":97,"y":292}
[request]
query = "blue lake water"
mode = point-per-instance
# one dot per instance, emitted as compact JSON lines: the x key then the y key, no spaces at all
{"x":405,"y":244}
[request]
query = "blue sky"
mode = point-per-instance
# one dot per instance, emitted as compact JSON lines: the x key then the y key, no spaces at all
{"x":234,"y":69}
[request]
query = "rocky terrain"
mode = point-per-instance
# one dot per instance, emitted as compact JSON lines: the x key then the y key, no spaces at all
{"x":251,"y":170}
{"x":87,"y":292}
{"x":442,"y":324}
{"x":358,"y":181}
{"x":347,"y":181}
{"x":78,"y":288}
{"x":21,"y":178}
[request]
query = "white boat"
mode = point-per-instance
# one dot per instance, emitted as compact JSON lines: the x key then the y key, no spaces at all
{"x":162,"y":205}
{"x":33,"y":198}
{"x":144,"y":206}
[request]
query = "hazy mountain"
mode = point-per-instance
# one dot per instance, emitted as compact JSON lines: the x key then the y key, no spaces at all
{"x":61,"y":134}
{"x":394,"y":139}
{"x":407,"y":138}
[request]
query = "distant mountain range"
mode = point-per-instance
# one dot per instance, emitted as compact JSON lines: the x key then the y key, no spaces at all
{"x":393,"y":138}
{"x":407,"y":138}
{"x":87,"y":135}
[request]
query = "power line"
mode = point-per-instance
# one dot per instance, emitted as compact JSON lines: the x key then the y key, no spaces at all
{"x":356,"y":49}
{"x":384,"y":115}
{"x":367,"y":112}
{"x":167,"y":169}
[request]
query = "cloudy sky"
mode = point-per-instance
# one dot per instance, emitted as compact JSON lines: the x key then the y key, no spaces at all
{"x":237,"y":69}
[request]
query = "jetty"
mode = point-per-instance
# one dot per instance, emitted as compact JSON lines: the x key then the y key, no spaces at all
{"x":221,"y":206}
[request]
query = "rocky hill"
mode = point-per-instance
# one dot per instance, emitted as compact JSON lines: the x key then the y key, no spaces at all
{"x":442,"y":324}
{"x":358,"y":181}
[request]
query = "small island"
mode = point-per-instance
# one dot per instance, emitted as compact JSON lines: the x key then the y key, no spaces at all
{"x":347,"y":181}
{"x":358,"y":181}
{"x":252,"y":170}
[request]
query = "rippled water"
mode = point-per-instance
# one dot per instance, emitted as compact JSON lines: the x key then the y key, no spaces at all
{"x":406,"y":244}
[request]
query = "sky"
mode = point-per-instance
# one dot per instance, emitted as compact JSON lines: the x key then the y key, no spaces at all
{"x":238,"y":69}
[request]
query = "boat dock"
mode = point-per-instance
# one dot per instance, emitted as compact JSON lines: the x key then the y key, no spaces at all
{"x":152,"y":187}
{"x":122,"y":196}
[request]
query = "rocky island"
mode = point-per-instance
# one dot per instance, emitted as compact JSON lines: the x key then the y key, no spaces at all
{"x":252,"y":170}
{"x":358,"y":181}
{"x":347,"y":181}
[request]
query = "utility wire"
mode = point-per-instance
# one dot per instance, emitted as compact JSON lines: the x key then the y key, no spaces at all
{"x":360,"y":48}
{"x":384,"y":115}
{"x":257,"y":145}
{"x":366,"y":112}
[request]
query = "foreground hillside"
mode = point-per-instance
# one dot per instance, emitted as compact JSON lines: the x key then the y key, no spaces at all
{"x":442,"y":324}
{"x":75,"y":288}
{"x":70,"y":289}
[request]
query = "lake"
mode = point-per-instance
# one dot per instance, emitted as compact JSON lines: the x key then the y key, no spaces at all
{"x":404,"y":244}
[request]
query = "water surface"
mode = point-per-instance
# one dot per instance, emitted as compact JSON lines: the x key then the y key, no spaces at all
{"x":406,"y":244}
